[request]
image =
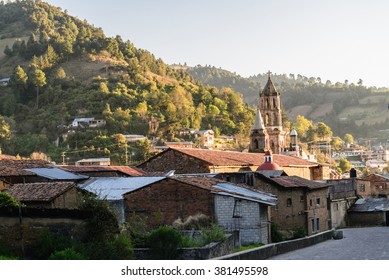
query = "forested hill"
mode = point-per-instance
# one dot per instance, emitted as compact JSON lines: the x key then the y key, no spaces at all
{"x":63,"y":68}
{"x":345,"y":106}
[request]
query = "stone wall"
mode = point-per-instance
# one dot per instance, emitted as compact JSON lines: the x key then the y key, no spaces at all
{"x":21,"y":231}
{"x":212,"y":250}
{"x":274,"y":249}
{"x":374,"y":218}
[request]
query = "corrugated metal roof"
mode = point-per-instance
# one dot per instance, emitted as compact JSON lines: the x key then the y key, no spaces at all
{"x":56,"y":174}
{"x":370,"y":205}
{"x":114,"y":188}
{"x":246,"y":193}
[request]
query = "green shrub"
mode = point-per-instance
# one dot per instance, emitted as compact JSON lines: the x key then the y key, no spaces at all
{"x":102,"y":223}
{"x":48,"y":243}
{"x":7,"y":200}
{"x":66,"y":254}
{"x":119,"y":248}
{"x":6,"y":258}
{"x":212,"y":234}
{"x":138,"y":231}
{"x":298,"y":232}
{"x":276,"y":235}
{"x":164,"y":242}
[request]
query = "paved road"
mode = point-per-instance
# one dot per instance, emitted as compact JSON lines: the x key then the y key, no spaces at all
{"x":357,"y":244}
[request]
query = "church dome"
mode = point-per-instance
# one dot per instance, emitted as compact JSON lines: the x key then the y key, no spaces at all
{"x":268,"y":164}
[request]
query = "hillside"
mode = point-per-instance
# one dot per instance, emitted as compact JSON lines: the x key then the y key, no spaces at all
{"x":346,"y":108}
{"x":63,"y":68}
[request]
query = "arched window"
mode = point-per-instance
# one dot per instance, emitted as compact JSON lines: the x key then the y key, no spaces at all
{"x":256,"y":144}
{"x":267,"y":103}
{"x":267,"y":119}
{"x":274,"y":103}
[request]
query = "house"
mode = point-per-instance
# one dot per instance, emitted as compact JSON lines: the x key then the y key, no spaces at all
{"x":369,"y":212}
{"x":341,"y":196}
{"x":301,"y":203}
{"x":113,"y":189}
{"x":87,"y":122}
{"x":376,"y":163}
{"x":104,"y":171}
{"x":189,"y":161}
{"x":93,"y":162}
{"x":233,"y":207}
{"x":207,"y":138}
{"x":59,"y":195}
{"x":13,"y":171}
{"x":373,"y":185}
{"x":4,"y":81}
{"x":180,"y":145}
{"x":132,"y":138}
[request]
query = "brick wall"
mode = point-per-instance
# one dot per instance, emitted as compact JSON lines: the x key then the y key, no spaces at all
{"x":173,"y":160}
{"x":376,"y":218}
{"x":163,"y":202}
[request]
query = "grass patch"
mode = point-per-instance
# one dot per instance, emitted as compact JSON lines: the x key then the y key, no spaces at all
{"x":248,"y":247}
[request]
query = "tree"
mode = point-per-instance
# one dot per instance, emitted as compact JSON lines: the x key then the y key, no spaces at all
{"x":38,"y":80}
{"x":20,"y":78}
{"x":302,"y":125}
{"x":323,"y":130}
{"x":337,"y":143}
{"x":344,"y":165}
{"x":5,"y":131}
{"x":348,"y":138}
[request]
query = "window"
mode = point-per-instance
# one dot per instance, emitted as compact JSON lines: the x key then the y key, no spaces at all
{"x":289,"y":202}
{"x":237,"y":209}
{"x":318,"y":201}
{"x":313,"y":225}
{"x":301,"y":198}
{"x":362,"y":187}
{"x":310,"y":202}
{"x":317,"y":224}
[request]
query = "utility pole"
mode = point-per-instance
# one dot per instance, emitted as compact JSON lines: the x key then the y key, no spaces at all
{"x":126,"y":153}
{"x":63,"y":158}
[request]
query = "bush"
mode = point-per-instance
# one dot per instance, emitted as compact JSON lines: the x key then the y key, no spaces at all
{"x":164,"y":242}
{"x":276,"y":235}
{"x":115,"y":249}
{"x":67,"y":254}
{"x":48,"y":243}
{"x":298,"y":232}
{"x":212,"y":234}
{"x":198,"y":221}
{"x":7,"y":200}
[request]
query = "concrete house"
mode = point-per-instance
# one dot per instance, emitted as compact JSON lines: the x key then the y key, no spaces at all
{"x":189,"y":161}
{"x":235,"y":208}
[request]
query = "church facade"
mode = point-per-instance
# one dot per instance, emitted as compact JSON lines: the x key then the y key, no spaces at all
{"x":267,"y":132}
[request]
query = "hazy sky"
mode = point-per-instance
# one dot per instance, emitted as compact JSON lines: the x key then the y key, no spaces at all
{"x":332,"y":39}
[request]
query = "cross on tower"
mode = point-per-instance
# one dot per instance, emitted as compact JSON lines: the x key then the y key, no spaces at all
{"x":269,"y":73}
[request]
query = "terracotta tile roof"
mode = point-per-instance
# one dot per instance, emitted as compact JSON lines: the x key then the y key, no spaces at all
{"x":222,"y":158}
{"x":14,"y":167}
{"x":38,"y":191}
{"x":8,"y":171}
{"x":6,"y":157}
{"x":297,"y":182}
{"x":128,"y":170}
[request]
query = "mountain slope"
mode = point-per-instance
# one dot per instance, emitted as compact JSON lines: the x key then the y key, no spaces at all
{"x":86,"y":74}
{"x":347,"y":108}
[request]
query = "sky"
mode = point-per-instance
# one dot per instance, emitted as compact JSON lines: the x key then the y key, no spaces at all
{"x":335,"y":40}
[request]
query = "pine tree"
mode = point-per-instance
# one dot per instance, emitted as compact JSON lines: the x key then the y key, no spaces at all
{"x":38,"y":80}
